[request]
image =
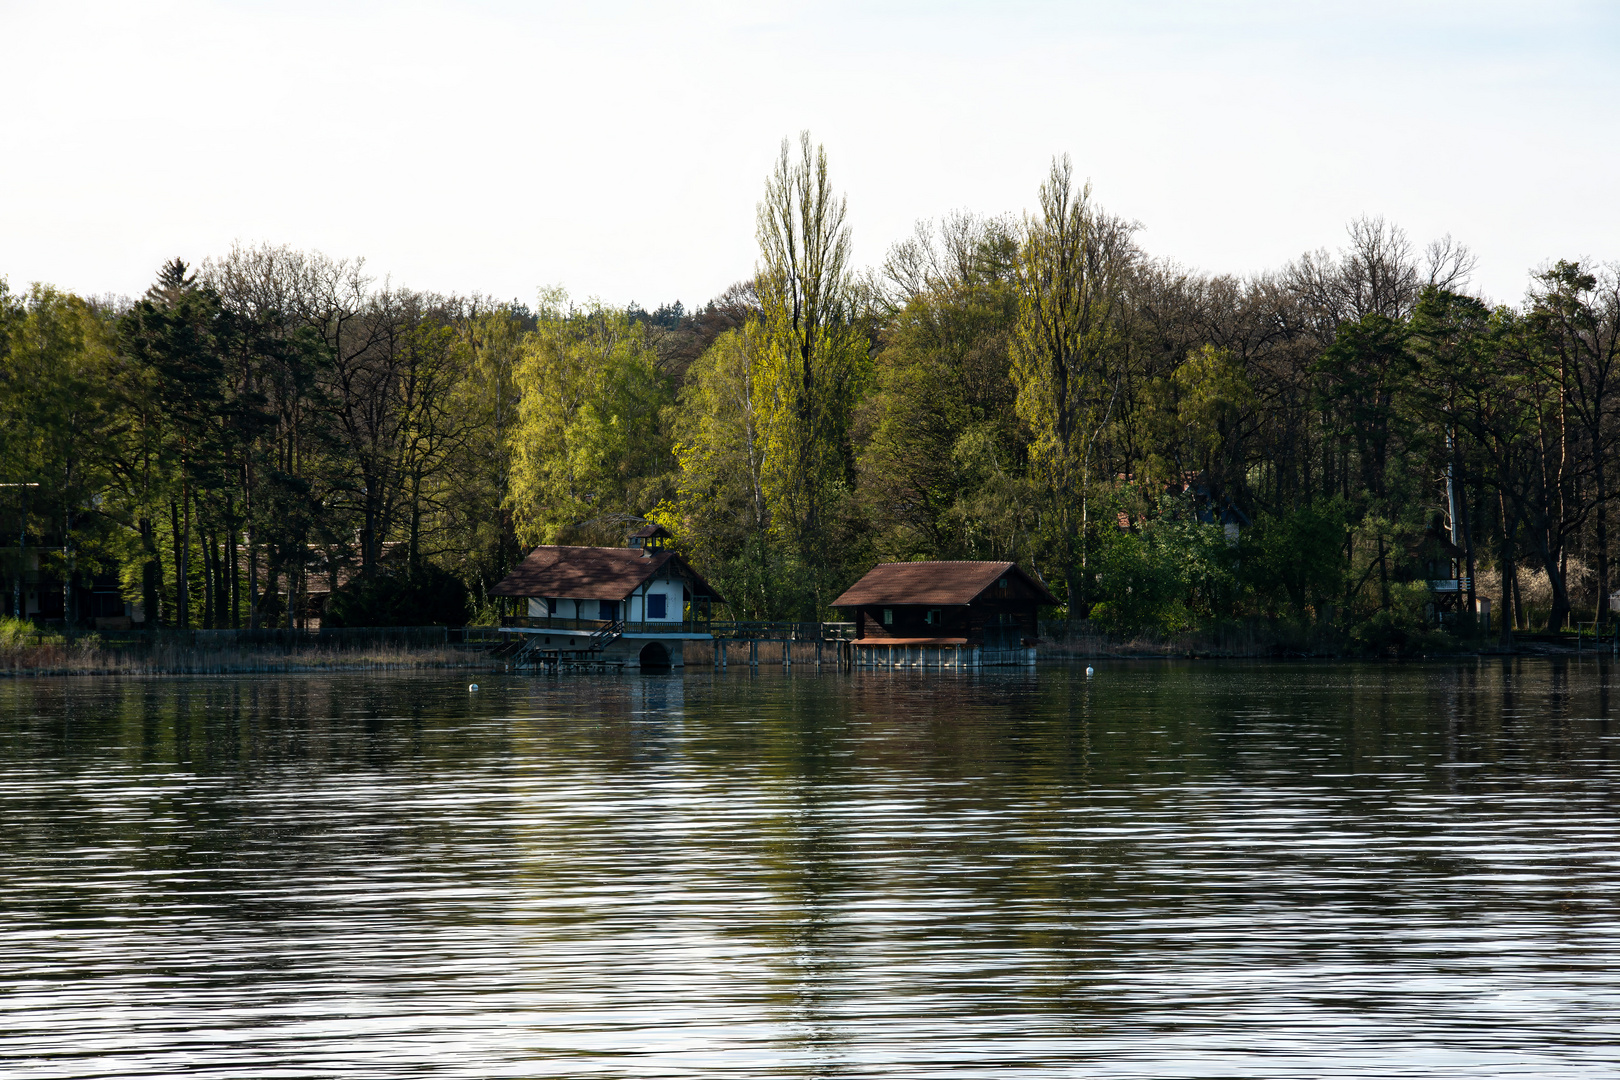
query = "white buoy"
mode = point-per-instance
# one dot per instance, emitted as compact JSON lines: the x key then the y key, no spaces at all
{"x":1090,"y":671}
{"x":473,"y":686}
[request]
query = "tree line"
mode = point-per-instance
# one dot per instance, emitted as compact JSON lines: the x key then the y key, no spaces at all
{"x":1166,"y":448}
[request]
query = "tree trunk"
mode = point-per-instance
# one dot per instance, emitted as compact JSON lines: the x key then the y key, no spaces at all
{"x":1602,"y":543}
{"x":222,"y":591}
{"x":253,"y":582}
{"x":1558,"y":614}
{"x":151,"y":573}
{"x":207,"y":543}
{"x":1470,"y":514}
{"x":1510,"y":575}
{"x":182,"y":597}
{"x":1383,"y":574}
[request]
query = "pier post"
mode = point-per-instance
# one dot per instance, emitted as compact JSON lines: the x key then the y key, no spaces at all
{"x":753,"y":653}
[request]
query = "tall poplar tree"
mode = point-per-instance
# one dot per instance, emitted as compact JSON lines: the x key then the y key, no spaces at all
{"x":1070,"y":351}
{"x":813,"y":352}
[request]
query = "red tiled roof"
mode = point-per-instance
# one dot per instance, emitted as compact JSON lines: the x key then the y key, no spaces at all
{"x":943,"y":583}
{"x":594,"y":573}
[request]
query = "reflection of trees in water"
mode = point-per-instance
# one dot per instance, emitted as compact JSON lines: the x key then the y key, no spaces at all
{"x":836,"y":857}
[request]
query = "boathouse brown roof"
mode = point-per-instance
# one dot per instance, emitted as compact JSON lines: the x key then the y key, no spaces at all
{"x":943,"y":584}
{"x":595,"y":573}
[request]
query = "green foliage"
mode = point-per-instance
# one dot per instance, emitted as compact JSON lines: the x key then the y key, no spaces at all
{"x":590,"y":443}
{"x":21,"y":634}
{"x":810,"y":359}
{"x":423,"y":596}
{"x":1070,"y":351}
{"x":1167,"y":574}
{"x":1399,"y":632}
{"x":763,"y":581}
{"x":1004,"y":391}
{"x":1297,"y":555}
{"x":943,"y":453}
{"x":720,"y":447}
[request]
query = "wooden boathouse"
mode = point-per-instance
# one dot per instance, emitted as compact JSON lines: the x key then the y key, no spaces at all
{"x":945,"y":614}
{"x":630,"y":607}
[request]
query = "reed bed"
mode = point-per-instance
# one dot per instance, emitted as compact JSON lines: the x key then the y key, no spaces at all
{"x":1238,"y":640}
{"x":703,"y":653}
{"x":88,"y":657}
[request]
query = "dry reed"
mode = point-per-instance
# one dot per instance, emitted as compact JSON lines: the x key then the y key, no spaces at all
{"x":91,"y":658}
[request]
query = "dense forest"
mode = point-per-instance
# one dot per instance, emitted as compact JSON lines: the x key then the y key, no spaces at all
{"x":1166,"y":448}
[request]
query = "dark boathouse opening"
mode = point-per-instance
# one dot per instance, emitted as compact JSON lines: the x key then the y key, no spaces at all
{"x":654,"y":654}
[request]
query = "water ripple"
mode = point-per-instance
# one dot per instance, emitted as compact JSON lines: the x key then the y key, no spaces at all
{"x":1164,"y":871}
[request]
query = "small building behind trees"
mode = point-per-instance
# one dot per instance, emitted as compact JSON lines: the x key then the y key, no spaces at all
{"x":988,"y":610}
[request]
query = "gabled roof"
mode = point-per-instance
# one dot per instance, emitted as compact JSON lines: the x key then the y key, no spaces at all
{"x":595,"y":573}
{"x":942,"y":583}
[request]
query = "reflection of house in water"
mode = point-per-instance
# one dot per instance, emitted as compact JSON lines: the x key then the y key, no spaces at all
{"x":949,"y":612}
{"x":633,"y":606}
{"x":658,"y":701}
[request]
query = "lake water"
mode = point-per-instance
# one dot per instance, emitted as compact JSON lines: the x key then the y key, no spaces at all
{"x":1195,"y":870}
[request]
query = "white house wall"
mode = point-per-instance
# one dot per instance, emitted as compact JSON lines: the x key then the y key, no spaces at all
{"x":672,"y":592}
{"x":562,"y":607}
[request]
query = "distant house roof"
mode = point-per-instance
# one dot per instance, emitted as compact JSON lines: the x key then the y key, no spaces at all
{"x":595,"y":573}
{"x":646,"y":532}
{"x":942,"y":583}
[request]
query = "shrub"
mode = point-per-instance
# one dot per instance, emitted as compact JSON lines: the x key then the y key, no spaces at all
{"x":1166,"y":577}
{"x":22,"y":634}
{"x":1298,"y":554}
{"x":1398,"y":633}
{"x":426,"y":595}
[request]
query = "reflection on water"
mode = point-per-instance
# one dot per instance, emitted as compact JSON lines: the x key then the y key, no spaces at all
{"x":1202,"y":870}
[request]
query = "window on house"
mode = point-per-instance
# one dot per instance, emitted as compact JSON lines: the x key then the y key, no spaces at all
{"x":888,"y":616}
{"x":657,"y":605}
{"x":609,"y":609}
{"x":934,"y":617}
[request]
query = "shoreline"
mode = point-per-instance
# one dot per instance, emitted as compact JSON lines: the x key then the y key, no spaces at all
{"x":62,"y":660}
{"x":198,"y":662}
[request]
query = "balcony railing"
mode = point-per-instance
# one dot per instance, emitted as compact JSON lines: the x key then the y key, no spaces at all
{"x":736,"y":631}
{"x":593,"y":626}
{"x":785,"y":631}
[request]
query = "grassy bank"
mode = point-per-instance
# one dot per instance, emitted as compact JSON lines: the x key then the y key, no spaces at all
{"x":1261,"y":639}
{"x":26,"y":649}
{"x":87,"y":658}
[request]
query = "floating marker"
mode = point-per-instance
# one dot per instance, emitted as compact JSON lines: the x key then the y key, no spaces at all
{"x":473,"y":686}
{"x":1090,"y":671}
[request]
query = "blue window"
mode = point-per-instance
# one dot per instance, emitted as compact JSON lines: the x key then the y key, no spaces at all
{"x":657,"y":606}
{"x":610,"y":609}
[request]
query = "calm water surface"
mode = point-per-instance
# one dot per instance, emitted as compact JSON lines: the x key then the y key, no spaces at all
{"x":1196,"y":871}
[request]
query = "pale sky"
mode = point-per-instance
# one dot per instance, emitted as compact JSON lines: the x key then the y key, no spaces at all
{"x":619,"y":149}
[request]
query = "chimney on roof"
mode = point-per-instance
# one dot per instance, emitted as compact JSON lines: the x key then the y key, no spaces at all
{"x":650,"y":539}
